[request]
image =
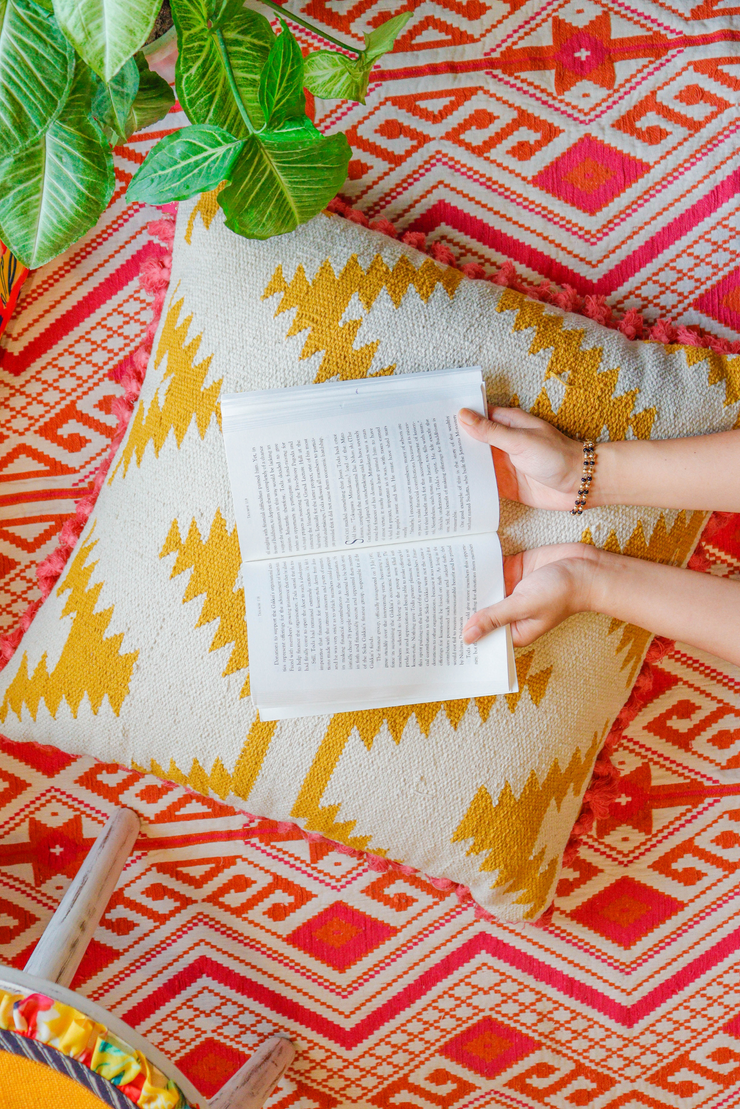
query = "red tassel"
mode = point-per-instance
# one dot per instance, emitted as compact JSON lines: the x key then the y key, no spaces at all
{"x":163,"y":229}
{"x":442,"y":253}
{"x":416,"y":239}
{"x":506,"y":275}
{"x":385,"y":227}
{"x":596,"y":308}
{"x":687,"y":338}
{"x":663,"y":331}
{"x":632,"y":324}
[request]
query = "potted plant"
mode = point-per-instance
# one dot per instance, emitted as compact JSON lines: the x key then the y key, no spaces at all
{"x":86,"y":86}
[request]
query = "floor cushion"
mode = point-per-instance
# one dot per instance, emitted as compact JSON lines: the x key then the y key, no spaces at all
{"x":140,"y":653}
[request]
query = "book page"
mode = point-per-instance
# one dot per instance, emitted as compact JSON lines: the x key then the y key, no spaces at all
{"x":387,"y":463}
{"x":374,"y":628}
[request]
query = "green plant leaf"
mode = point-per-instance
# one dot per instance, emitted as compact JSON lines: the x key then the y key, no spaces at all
{"x":153,"y":100}
{"x":191,"y":161}
{"x":381,"y":40}
{"x":222,"y":11}
{"x":53,"y":191}
{"x":277,"y":185}
{"x":281,"y":82}
{"x":214,"y":61}
{"x":112,"y":103}
{"x":106,"y":33}
{"x":36,"y":67}
{"x":334,"y":76}
{"x":295,"y":130}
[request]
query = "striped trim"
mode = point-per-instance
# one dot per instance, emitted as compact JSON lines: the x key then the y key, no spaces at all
{"x":16,"y":1044}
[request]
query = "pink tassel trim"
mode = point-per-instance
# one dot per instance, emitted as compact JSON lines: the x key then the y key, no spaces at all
{"x":632,"y":324}
{"x":154,"y":278}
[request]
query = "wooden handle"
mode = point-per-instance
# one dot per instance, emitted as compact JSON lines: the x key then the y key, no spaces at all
{"x":253,"y":1083}
{"x":59,"y":952}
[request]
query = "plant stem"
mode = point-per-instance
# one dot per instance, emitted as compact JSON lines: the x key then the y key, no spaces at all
{"x":309,"y":26}
{"x":232,"y":82}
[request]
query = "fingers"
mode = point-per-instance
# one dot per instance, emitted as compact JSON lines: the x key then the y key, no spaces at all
{"x":489,"y":431}
{"x":495,"y":616}
{"x":514,"y":417}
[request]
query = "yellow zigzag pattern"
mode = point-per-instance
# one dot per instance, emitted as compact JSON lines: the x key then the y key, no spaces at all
{"x":368,"y":723}
{"x":669,"y":545}
{"x":321,"y":304}
{"x":219,"y":780}
{"x":508,"y":830}
{"x":722,"y":368}
{"x":185,"y":397}
{"x":535,"y":684}
{"x":589,"y":404}
{"x":206,"y":208}
{"x":89,"y":663}
{"x":215,"y":565}
{"x":308,"y":804}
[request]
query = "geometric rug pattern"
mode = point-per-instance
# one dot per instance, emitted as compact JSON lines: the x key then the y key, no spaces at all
{"x":591,"y":144}
{"x":224,"y":927}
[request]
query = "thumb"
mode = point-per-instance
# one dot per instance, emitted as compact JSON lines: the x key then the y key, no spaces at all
{"x":495,"y":616}
{"x":489,"y":431}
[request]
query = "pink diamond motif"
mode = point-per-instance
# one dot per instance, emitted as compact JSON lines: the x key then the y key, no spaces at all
{"x":626,"y":911}
{"x":722,"y":302}
{"x":582,"y":53}
{"x":341,"y":935}
{"x":590,"y":175}
{"x":488,"y":1048}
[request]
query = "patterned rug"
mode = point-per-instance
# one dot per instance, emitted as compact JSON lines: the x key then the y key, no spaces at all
{"x":592,"y":145}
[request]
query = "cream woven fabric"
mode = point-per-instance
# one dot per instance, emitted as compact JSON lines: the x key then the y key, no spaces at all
{"x":139,"y":655}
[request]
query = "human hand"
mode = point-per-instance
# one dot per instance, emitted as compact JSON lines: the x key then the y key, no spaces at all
{"x":544,"y":587}
{"x":535,"y":463}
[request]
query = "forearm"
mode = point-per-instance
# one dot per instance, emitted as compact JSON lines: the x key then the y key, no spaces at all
{"x":680,"y":604}
{"x":701,"y":473}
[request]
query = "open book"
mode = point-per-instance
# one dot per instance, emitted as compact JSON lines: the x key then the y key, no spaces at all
{"x":367,"y":525}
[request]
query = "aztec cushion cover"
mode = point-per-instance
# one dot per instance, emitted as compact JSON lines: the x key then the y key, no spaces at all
{"x":140,"y":655}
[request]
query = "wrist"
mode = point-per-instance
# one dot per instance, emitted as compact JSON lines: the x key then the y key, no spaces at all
{"x":583,"y":566}
{"x":601,"y":584}
{"x":611,"y":477}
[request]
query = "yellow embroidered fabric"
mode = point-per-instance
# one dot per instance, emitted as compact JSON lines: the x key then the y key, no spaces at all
{"x":140,"y":654}
{"x":60,"y":1026}
{"x":26,"y":1084}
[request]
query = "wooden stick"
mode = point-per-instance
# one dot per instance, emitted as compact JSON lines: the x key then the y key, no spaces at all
{"x":59,"y":952}
{"x":254,"y":1082}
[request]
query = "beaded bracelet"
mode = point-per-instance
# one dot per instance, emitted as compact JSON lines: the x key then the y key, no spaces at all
{"x":589,"y":462}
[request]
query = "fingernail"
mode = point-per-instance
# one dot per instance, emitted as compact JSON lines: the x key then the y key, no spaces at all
{"x":467,"y":416}
{"x":472,"y":635}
